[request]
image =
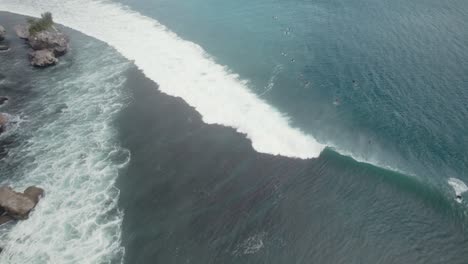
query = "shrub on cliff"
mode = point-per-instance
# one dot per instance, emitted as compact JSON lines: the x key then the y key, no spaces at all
{"x":43,"y":23}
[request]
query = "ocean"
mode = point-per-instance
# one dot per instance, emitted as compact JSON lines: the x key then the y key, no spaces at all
{"x":241,"y":132}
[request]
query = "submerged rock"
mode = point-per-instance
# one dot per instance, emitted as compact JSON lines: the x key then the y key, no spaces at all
{"x":17,"y":205}
{"x":42,"y":58}
{"x":3,"y":99}
{"x":2,"y":33}
{"x":22,"y":31}
{"x":52,"y":40}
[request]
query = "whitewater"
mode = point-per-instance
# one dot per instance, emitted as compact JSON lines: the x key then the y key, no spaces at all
{"x":182,"y":69}
{"x":68,"y":146}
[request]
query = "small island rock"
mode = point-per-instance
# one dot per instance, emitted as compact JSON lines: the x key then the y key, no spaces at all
{"x":42,"y":58}
{"x":44,"y":38}
{"x":22,"y":31}
{"x":52,"y":40}
{"x":17,"y":205}
{"x":2,"y":33}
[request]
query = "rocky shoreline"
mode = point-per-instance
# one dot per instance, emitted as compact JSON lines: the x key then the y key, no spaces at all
{"x":17,"y":206}
{"x":46,"y":44}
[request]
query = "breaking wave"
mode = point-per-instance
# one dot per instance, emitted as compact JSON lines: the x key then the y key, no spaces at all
{"x":181,"y":68}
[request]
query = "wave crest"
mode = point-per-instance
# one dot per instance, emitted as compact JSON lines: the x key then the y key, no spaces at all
{"x":182,"y":69}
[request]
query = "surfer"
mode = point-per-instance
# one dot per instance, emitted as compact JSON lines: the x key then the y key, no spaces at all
{"x":459,"y":197}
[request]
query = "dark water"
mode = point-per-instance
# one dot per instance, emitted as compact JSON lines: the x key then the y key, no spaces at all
{"x":197,"y":193}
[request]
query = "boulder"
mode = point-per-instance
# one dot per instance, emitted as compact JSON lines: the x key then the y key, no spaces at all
{"x":34,"y":193}
{"x":42,"y":58}
{"x":3,"y":122}
{"x":53,"y":40}
{"x":17,"y":205}
{"x":2,"y":33}
{"x":22,"y":31}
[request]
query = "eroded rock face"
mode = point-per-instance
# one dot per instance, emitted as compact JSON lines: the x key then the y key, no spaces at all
{"x":54,"y":41}
{"x":2,"y":33}
{"x":5,"y":219}
{"x":44,"y":43}
{"x":17,"y":205}
{"x":42,"y":58}
{"x":22,"y":31}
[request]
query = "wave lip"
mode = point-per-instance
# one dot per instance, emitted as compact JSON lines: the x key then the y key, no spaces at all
{"x":182,"y":69}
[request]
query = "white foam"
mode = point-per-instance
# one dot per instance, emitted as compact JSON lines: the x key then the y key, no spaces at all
{"x":458,"y":185}
{"x":75,"y":157}
{"x":271,"y":82}
{"x":251,"y":245}
{"x":13,"y":122}
{"x":181,"y":68}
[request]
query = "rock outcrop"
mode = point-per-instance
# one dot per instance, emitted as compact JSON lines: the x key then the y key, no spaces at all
{"x":42,"y":58}
{"x":22,"y":31}
{"x":2,"y":33}
{"x":47,"y":45}
{"x":3,"y":122}
{"x":18,"y":205}
{"x":52,"y":40}
{"x":3,"y":46}
{"x":34,"y":193}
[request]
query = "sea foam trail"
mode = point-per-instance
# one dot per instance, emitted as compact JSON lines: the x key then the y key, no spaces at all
{"x":69,"y":147}
{"x":181,"y":68}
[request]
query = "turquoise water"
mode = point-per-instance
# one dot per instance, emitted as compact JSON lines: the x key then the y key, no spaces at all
{"x":407,"y":106}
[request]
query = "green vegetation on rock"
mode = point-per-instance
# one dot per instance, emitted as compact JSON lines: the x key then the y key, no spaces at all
{"x":41,"y":24}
